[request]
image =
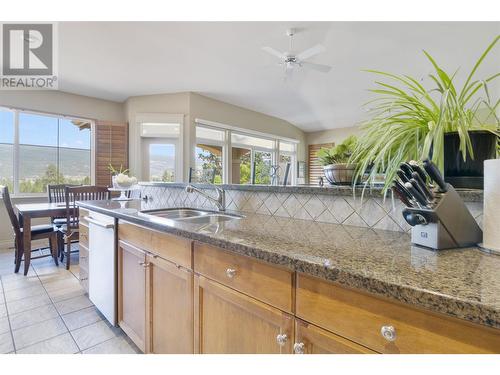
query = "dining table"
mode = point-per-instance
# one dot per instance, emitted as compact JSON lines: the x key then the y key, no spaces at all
{"x":29,"y":211}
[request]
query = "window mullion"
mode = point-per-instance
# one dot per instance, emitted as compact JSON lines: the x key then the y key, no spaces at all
{"x":15,"y":156}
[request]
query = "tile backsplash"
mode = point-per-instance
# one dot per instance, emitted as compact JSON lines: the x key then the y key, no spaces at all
{"x":372,"y":212}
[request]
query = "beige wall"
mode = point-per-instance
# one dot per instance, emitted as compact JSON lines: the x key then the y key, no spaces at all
{"x":64,"y":103}
{"x":194,"y":106}
{"x":210,"y":109}
{"x":333,"y":135}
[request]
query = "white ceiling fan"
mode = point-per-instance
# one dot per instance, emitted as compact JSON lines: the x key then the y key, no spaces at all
{"x":292,"y":61}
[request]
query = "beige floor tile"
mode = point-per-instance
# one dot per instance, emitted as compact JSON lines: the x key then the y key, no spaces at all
{"x":20,"y":283}
{"x":21,"y":305}
{"x":81,"y":318}
{"x":61,"y":283}
{"x":6,"y":344}
{"x":3,"y":310}
{"x":63,"y":344}
{"x":34,"y":316}
{"x":10,"y":276}
{"x":38,"y":332}
{"x":92,"y":335}
{"x":17,"y":294}
{"x":4,"y":325}
{"x":117,"y":345}
{"x":66,"y":293}
{"x":73,"y":304}
{"x":56,"y":275}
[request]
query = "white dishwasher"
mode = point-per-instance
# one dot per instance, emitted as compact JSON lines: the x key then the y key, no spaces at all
{"x":102,"y":264}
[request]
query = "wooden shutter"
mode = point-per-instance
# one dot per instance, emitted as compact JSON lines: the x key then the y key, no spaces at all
{"x":111,"y":148}
{"x":315,"y":168}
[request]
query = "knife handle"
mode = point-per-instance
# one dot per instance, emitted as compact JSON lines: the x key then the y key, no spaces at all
{"x":423,"y":186}
{"x":416,"y":194}
{"x":434,"y":174}
{"x":418,"y":169}
{"x":407,"y":169}
{"x":402,"y":175}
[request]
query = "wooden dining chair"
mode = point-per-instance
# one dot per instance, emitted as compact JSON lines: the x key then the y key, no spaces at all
{"x":70,"y":230}
{"x":38,"y":232}
{"x":57,"y":194}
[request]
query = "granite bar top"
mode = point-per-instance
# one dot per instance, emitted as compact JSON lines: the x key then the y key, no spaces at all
{"x":467,"y":195}
{"x":463,"y":283}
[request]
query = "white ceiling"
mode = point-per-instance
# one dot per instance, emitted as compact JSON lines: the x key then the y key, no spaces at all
{"x":224,"y":60}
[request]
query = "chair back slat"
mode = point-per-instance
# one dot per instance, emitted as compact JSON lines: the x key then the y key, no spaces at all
{"x":14,"y":221}
{"x":57,"y":193}
{"x":81,"y":193}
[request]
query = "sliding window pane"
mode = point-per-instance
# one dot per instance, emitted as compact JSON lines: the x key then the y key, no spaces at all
{"x":38,"y":137}
{"x":7,"y":149}
{"x":74,"y":151}
{"x":162,"y":162}
{"x":208,"y":164}
{"x":262,"y":161}
{"x":242,"y":166}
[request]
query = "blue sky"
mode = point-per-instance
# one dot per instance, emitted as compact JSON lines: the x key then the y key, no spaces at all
{"x":43,"y":131}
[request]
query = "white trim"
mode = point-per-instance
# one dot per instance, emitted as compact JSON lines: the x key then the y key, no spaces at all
{"x":244,"y":131}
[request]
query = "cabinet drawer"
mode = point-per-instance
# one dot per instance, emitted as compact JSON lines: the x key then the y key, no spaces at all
{"x":83,"y":234}
{"x":83,"y":261}
{"x":310,"y":339}
{"x":134,"y":235}
{"x":362,"y":318}
{"x":174,"y":249}
{"x":257,"y":279}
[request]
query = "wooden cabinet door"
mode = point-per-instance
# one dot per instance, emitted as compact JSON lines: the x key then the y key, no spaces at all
{"x":227,"y":321}
{"x":132,"y":293}
{"x":170,"y":307}
{"x":310,"y":339}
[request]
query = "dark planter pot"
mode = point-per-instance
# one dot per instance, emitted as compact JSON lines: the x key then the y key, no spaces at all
{"x":468,"y":174}
{"x":339,"y":174}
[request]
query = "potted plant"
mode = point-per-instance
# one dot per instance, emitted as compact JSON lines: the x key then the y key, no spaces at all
{"x":120,"y":178}
{"x":335,"y":161}
{"x":409,"y":121}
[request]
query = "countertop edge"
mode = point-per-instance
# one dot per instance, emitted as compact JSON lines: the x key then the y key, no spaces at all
{"x":454,"y":307}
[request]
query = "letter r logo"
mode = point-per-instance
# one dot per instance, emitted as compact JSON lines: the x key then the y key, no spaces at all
{"x":27,"y":49}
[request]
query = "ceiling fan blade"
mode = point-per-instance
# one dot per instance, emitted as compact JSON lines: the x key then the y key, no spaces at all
{"x":274,"y":52}
{"x":318,"y":48}
{"x":319,"y":67}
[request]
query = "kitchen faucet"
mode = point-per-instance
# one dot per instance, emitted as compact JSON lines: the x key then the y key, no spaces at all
{"x":219,"y":200}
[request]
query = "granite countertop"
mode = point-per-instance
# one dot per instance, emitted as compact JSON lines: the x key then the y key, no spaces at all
{"x":464,"y":283}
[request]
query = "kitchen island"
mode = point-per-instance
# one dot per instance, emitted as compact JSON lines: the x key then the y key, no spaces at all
{"x":371,"y":289}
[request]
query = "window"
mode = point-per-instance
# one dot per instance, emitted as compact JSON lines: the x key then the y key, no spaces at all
{"x":255,"y":157}
{"x":162,"y":162}
{"x":161,"y":148}
{"x":209,"y":155}
{"x":7,"y":148}
{"x":287,"y":156}
{"x":39,"y":149}
{"x":238,"y":156}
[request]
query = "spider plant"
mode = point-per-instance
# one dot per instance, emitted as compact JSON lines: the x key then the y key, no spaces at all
{"x":409,"y":121}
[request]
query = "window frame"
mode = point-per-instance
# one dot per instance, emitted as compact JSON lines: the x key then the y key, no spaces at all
{"x":228,"y":145}
{"x":16,"y":146}
{"x":212,"y":142}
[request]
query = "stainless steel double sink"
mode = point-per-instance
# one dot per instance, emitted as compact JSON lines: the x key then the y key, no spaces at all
{"x":189,"y":215}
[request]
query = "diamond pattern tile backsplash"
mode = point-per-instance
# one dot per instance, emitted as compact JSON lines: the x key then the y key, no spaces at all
{"x":372,"y":212}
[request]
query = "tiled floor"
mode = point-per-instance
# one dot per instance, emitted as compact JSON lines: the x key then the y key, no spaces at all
{"x":47,"y":311}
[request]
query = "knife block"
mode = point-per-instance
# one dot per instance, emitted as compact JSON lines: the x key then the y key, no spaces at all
{"x":448,"y":225}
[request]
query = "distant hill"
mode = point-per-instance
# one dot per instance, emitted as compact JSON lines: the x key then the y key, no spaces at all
{"x":35,"y":160}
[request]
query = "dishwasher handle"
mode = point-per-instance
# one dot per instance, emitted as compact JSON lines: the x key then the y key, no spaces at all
{"x":99,"y":223}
